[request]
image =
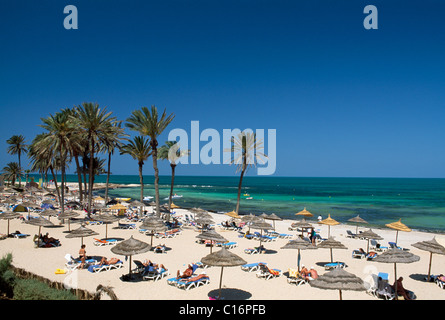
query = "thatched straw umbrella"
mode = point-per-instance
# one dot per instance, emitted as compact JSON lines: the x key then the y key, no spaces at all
{"x":399,"y":226}
{"x":369,"y":234}
{"x":304,"y":213}
{"x":274,"y":218}
{"x":223,"y":258}
{"x":68,"y":215}
{"x":232,"y":214}
{"x":154,"y":224}
{"x":396,"y":256}
{"x":211,"y":235}
{"x":338,"y":279}
{"x":41,"y":222}
{"x":49,"y":213}
{"x":130,"y":247}
{"x":81,"y":232}
{"x":330,"y":244}
{"x":107,"y":219}
{"x":432,"y":246}
{"x":261,"y":225}
{"x":8,"y":215}
{"x":329,"y":222}
{"x":203,"y":221}
{"x":302,"y":224}
{"x":357,"y":220}
{"x":299,"y":244}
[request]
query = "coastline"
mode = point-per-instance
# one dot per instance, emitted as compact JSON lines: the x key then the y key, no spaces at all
{"x":237,"y":284}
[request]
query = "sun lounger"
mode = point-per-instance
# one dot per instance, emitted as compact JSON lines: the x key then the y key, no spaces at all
{"x":95,"y":268}
{"x":267,"y":273}
{"x":393,"y":245}
{"x":358,"y":254}
{"x":284,"y":236}
{"x":193,"y":282}
{"x":439,"y":282}
{"x":74,"y":264}
{"x":230,"y":245}
{"x":374,"y":245}
{"x":20,"y":235}
{"x":332,"y":265}
{"x":295,"y":277}
{"x":384,"y":290}
{"x":104,"y":242}
{"x":201,"y":265}
{"x":154,"y":274}
{"x":350,"y":234}
{"x":250,"y":267}
{"x":126,"y":225}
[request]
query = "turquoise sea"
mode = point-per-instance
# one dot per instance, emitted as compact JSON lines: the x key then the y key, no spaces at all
{"x":420,"y":203}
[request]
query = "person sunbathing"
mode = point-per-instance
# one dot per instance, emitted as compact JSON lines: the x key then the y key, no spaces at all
{"x":312,"y":274}
{"x":106,"y":262}
{"x":304,"y":272}
{"x":186,"y":273}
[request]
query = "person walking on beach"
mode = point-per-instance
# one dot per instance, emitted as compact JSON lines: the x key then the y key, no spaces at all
{"x":82,"y":256}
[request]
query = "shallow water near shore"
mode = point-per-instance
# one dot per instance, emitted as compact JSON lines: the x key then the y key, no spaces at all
{"x":420,"y":203}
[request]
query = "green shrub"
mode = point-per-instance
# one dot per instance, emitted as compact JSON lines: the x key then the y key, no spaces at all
{"x":7,"y":276}
{"x":31,"y":289}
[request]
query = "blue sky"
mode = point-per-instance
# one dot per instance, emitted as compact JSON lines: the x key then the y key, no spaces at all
{"x":345,"y":101}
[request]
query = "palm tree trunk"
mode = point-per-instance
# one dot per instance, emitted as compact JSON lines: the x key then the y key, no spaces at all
{"x":108,"y":177}
{"x":91,"y":173}
{"x":155,"y":167}
{"x":62,"y":199}
{"x":141,"y":181}
{"x":173,"y":166}
{"x":20,"y":170}
{"x":55,"y":182}
{"x":79,"y":177}
{"x":239,"y":190}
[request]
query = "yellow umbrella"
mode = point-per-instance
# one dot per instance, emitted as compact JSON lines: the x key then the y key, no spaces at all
{"x":99,"y":198}
{"x":305,"y":213}
{"x":232,"y":214}
{"x":118,"y":207}
{"x":174,"y":206}
{"x":399,"y":226}
{"x":330,"y":222}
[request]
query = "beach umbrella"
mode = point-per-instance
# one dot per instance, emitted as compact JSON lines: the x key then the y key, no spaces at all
{"x":137,"y":203}
{"x":174,"y":206}
{"x":68,"y":215}
{"x":49,"y":213}
{"x":131,"y":247}
{"x":118,"y":206}
{"x":369,"y":234}
{"x":204,"y":221}
{"x":40,"y":222}
{"x":274,"y":218}
{"x":396,"y":256}
{"x":232,"y":214}
{"x":338,"y":279}
{"x":8,"y":215}
{"x":330,"y":244}
{"x":304,"y":213}
{"x":154,"y":224}
{"x":211,"y":235}
{"x":329,"y":222}
{"x":20,"y":208}
{"x":107,"y":219}
{"x":299,"y":244}
{"x":30,"y":204}
{"x":81,"y":232}
{"x":357,"y":220}
{"x":398,"y":226}
{"x":432,"y":246}
{"x":223,"y":258}
{"x":302,"y":224}
{"x":261,"y":225}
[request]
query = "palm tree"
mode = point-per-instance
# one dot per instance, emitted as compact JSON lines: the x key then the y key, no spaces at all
{"x":12,"y":171}
{"x":246,"y":152}
{"x":17,"y":146}
{"x":171,"y":152}
{"x":112,"y":140}
{"x":139,"y":149}
{"x":60,"y":129}
{"x":94,"y":122}
{"x":148,"y":123}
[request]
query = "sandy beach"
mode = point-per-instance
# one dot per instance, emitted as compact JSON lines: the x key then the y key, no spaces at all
{"x":237,"y":284}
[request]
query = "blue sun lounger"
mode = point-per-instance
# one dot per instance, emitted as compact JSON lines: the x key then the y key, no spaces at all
{"x":250,"y":267}
{"x":332,"y":265}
